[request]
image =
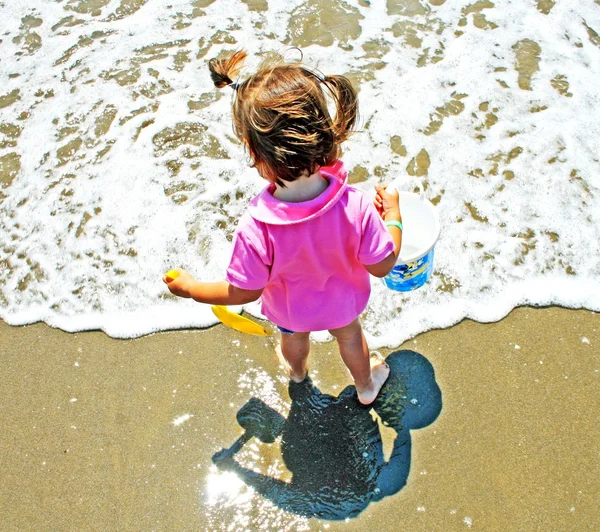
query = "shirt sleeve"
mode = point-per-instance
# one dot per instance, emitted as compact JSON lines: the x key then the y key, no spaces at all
{"x":376,"y":242}
{"x":250,"y":266}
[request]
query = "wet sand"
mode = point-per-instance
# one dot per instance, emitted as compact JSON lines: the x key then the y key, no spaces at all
{"x":96,"y":433}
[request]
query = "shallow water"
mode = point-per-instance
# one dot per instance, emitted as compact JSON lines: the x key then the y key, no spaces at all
{"x":118,"y":162}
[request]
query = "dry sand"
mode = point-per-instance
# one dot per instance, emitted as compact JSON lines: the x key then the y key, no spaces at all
{"x":93,"y":436}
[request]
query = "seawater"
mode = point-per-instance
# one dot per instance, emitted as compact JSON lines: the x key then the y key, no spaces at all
{"x":118,"y":161}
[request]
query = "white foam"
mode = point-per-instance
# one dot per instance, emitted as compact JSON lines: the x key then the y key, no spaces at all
{"x":88,"y":252}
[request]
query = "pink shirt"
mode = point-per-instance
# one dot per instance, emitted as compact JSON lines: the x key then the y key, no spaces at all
{"x":309,"y":257}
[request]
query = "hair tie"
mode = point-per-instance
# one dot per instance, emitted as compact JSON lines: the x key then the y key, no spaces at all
{"x":301,"y":53}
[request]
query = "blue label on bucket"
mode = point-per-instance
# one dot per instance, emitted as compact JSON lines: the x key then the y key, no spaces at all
{"x":406,"y":277}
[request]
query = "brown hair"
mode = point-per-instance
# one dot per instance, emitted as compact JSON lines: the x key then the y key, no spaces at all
{"x":280,"y":113}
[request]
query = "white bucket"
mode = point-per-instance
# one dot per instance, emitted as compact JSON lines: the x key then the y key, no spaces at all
{"x":421,"y":231}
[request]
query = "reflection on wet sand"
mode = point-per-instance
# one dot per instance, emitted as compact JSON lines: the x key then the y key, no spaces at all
{"x":332,"y":445}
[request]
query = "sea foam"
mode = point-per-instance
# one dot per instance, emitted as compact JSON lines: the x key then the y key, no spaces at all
{"x":118,"y":161}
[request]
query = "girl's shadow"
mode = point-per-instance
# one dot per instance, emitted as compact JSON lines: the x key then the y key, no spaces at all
{"x":332,"y":445}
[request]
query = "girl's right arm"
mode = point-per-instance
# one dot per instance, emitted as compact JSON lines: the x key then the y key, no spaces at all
{"x":388,"y":207}
{"x":217,"y":293}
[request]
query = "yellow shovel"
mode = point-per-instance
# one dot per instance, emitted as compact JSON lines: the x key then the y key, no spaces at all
{"x":237,"y":322}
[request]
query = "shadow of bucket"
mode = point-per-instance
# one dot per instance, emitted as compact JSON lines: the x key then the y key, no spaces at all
{"x":421,"y":231}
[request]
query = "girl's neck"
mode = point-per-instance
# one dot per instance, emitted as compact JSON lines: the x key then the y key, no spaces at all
{"x":305,"y":188}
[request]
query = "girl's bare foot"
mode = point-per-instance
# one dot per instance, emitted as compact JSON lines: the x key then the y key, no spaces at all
{"x":296,"y":377}
{"x":379,"y":374}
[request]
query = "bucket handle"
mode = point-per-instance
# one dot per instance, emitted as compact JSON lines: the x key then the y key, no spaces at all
{"x":421,"y":191}
{"x":419,"y":186}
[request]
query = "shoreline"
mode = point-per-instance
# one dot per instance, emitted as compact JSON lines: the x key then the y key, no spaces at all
{"x":271,"y":326}
{"x":103,"y":433}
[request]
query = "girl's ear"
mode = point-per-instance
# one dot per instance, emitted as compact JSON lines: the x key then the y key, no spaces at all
{"x":260,"y":168}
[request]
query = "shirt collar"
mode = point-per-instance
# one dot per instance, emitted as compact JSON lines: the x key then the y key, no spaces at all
{"x":268,"y":209}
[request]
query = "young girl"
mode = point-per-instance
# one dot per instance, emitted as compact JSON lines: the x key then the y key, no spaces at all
{"x":309,"y":240}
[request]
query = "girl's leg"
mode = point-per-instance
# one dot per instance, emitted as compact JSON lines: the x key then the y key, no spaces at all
{"x":355,"y":354}
{"x":295,"y":348}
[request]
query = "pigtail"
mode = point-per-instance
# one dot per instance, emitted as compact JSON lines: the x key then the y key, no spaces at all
{"x":222,"y":71}
{"x":346,"y":102}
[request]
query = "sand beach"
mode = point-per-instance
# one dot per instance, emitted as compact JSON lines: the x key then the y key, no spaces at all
{"x":105,"y":434}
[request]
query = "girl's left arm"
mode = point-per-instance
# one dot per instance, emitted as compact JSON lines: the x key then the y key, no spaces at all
{"x":217,"y":293}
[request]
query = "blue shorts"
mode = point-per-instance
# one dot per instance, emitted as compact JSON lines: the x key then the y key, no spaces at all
{"x":285,"y":331}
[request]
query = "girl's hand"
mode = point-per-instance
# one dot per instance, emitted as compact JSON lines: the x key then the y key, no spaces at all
{"x":181,"y":286}
{"x":387,"y":203}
